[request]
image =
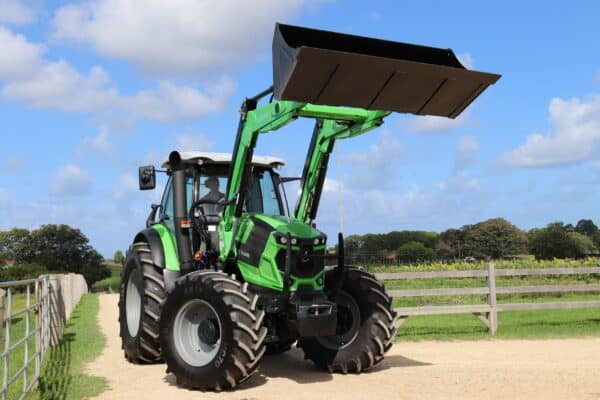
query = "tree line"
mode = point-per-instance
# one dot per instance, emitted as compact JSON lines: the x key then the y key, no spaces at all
{"x":494,"y":238}
{"x":27,"y":254}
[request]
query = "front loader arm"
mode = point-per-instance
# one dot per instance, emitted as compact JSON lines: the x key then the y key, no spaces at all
{"x":325,"y":134}
{"x":253,"y":121}
{"x":334,"y":122}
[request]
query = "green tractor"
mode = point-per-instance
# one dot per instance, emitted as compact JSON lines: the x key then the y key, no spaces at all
{"x":224,"y":272}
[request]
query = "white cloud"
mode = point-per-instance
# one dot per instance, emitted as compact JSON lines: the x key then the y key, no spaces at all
{"x":170,"y":102}
{"x":194,"y":142}
{"x":15,"y":12}
{"x":367,"y":166}
{"x":19,"y":58}
{"x":575,"y":136}
{"x":70,"y":180}
{"x":99,"y":143}
{"x":452,"y":202}
{"x":466,"y":59}
{"x":177,"y":36}
{"x":56,"y":85}
{"x":429,"y":124}
{"x":466,"y":150}
{"x":332,"y":185}
{"x":13,"y":163}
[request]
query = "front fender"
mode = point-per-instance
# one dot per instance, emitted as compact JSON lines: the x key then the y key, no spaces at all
{"x":162,"y":245}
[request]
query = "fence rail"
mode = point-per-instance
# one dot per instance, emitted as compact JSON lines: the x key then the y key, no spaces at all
{"x":49,"y":301}
{"x":488,"y":313}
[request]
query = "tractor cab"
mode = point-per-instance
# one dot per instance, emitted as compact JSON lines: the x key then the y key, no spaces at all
{"x":206,"y":176}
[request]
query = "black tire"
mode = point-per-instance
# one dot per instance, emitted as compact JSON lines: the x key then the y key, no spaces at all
{"x":372,"y":338}
{"x":143,"y":346}
{"x":235,"y":351}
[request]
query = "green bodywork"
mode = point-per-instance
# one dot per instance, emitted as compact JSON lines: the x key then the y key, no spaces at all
{"x":267,"y":272}
{"x":332,"y":123}
{"x":169,"y":246}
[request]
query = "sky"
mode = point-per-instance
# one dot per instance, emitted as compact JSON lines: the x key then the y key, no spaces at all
{"x":92,"y":89}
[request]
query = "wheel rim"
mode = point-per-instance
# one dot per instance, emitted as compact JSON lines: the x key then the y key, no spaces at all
{"x":348,"y":323}
{"x":197,"y":333}
{"x":133,"y":305}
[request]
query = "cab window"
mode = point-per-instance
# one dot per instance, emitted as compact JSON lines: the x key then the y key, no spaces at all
{"x":167,"y":201}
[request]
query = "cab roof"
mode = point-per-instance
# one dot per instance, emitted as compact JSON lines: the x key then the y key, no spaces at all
{"x":202,"y":158}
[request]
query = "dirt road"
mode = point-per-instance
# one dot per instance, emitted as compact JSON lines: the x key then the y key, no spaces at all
{"x":495,"y":369}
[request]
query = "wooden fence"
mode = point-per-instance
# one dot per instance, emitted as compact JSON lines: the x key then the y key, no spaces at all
{"x":49,"y":301}
{"x":488,"y":313}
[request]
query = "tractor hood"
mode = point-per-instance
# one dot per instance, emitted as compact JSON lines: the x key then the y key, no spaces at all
{"x":284,"y":225}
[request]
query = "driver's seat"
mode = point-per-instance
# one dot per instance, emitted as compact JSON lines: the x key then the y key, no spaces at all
{"x":211,"y":219}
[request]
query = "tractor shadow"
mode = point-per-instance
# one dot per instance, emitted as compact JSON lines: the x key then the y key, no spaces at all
{"x":292,"y":366}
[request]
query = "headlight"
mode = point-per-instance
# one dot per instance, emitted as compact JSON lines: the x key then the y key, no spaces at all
{"x":294,"y":241}
{"x":317,"y":241}
{"x":283,"y":240}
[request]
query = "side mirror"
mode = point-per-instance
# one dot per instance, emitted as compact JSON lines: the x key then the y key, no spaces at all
{"x":147,"y":177}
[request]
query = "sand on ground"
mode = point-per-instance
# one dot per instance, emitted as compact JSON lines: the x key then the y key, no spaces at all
{"x":486,"y":369}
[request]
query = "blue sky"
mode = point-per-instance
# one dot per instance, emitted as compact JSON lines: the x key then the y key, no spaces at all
{"x":89,"y":90}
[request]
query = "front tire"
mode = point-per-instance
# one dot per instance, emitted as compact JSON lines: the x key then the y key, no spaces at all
{"x":211,"y":331}
{"x":141,"y":293}
{"x":366,"y":326}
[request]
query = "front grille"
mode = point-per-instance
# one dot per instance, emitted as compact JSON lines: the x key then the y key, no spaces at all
{"x":304,"y":264}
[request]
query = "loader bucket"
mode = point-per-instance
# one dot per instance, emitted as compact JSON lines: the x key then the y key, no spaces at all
{"x":330,"y":68}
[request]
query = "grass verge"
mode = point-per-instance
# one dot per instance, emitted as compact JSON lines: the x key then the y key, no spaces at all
{"x":113,"y":281}
{"x":63,"y":376}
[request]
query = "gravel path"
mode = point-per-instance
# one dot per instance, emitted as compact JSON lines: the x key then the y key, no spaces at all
{"x":494,"y":369}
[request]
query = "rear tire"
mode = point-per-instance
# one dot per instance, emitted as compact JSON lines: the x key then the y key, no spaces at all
{"x":366,"y":326}
{"x":141,"y":293}
{"x":211,"y":331}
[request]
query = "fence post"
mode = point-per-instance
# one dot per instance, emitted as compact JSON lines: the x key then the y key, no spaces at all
{"x":2,"y":293}
{"x":491,"y":282}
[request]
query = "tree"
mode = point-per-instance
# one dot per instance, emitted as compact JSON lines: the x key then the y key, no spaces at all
{"x":17,"y":272}
{"x":554,"y":241}
{"x":450,"y":244}
{"x":14,"y":243}
{"x":586,"y":227}
{"x":415,"y":252}
{"x":60,"y":248}
{"x":580,"y":245}
{"x":495,"y":238}
{"x":118,"y":257}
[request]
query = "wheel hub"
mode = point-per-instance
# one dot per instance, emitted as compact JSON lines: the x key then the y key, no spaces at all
{"x":348,"y":323}
{"x":208,"y":331}
{"x":133,"y":305}
{"x":197,"y":333}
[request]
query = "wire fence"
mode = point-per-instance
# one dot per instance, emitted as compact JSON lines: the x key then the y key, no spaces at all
{"x":32,"y":315}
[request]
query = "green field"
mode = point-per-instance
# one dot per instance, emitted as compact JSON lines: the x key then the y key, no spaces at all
{"x":514,"y":324}
{"x":110,"y":284}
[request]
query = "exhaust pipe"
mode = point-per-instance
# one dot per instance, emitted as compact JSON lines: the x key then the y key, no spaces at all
{"x":180,"y":213}
{"x":331,"y":68}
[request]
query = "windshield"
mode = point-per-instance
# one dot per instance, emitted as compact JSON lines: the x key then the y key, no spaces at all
{"x":261,"y":196}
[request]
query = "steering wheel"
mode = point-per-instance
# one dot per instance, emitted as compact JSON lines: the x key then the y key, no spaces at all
{"x":199,"y":203}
